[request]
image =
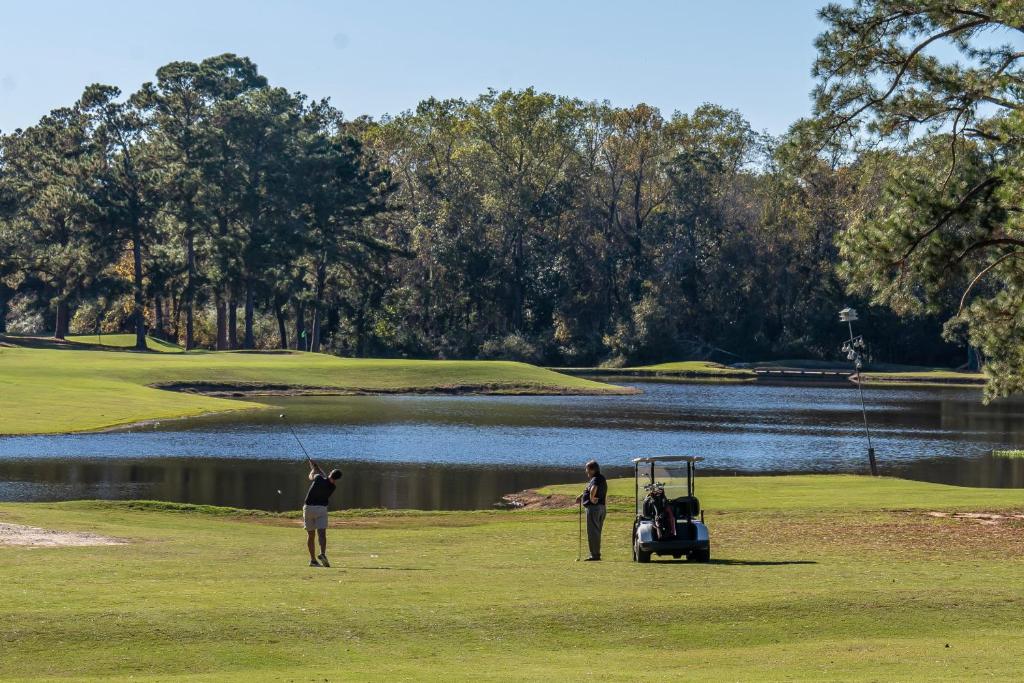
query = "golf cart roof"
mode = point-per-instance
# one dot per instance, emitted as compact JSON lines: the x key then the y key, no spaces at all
{"x":670,"y":458}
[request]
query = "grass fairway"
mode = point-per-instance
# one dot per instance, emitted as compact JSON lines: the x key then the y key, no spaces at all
{"x":694,"y":368}
{"x":124,"y":341}
{"x":52,"y":389}
{"x":832,"y":578}
{"x":698,"y":370}
{"x":925,"y":378}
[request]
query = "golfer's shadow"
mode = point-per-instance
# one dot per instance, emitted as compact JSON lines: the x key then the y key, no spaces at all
{"x":386,"y":569}
{"x":739,"y":563}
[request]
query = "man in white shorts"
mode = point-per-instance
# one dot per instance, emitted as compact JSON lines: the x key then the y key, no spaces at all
{"x":314,"y":511}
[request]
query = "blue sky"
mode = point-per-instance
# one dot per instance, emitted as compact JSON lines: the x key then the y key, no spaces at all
{"x":384,"y":57}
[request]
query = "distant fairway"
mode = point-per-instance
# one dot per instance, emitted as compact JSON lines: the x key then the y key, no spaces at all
{"x":45,"y":388}
{"x":124,"y":341}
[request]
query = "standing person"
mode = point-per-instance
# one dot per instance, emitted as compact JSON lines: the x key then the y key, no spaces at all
{"x":314,"y":511}
{"x":593,"y":499}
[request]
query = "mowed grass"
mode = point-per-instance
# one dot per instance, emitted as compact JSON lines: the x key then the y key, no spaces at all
{"x":1008,"y":454}
{"x":828,"y":492}
{"x":925,"y":377}
{"x":854,"y":590}
{"x":124,"y":341}
{"x":50,"y":390}
{"x":694,"y":367}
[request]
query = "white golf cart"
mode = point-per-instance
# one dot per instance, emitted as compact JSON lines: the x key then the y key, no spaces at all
{"x":669,"y":519}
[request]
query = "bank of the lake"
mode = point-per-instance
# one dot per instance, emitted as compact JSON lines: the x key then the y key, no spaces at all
{"x":796,"y":372}
{"x":48,"y":387}
{"x":812,"y":578}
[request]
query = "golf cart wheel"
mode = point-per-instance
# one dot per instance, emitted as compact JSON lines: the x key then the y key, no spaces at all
{"x":640,"y":555}
{"x":701,"y":555}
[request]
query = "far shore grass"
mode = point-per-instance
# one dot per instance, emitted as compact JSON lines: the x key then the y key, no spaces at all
{"x":879,"y":374}
{"x":812,"y":578}
{"x":692,"y":370}
{"x":53,"y":388}
{"x":1008,"y":454}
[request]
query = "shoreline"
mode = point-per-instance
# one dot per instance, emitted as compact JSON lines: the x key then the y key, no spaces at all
{"x":793,"y":378}
{"x":244,"y":389}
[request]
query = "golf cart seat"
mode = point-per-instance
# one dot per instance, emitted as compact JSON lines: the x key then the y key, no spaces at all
{"x":682,"y":504}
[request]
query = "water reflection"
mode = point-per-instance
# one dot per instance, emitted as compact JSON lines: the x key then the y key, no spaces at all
{"x":272,"y":484}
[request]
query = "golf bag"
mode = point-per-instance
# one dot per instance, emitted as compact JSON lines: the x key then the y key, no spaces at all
{"x":658,"y":508}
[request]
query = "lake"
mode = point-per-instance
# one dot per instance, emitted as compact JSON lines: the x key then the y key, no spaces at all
{"x":464,"y":452}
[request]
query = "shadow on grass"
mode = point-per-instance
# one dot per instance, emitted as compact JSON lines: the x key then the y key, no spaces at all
{"x":51,"y":343}
{"x":737,"y":563}
{"x":386,"y":569}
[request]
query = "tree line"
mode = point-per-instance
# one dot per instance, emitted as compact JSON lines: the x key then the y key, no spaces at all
{"x":204,"y":193}
{"x":215,"y":210}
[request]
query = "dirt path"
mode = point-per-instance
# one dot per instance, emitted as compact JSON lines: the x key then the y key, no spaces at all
{"x":35,"y":537}
{"x":532,"y":500}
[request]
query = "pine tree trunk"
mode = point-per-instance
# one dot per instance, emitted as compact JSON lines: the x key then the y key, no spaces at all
{"x":158,"y":317}
{"x":139,"y":306}
{"x":282,"y":329}
{"x":222,"y":322}
{"x":190,"y":291}
{"x":250,"y":309}
{"x":62,"y":323}
{"x":321,"y":277}
{"x":5,"y":294}
{"x":232,"y":324}
{"x":300,"y":326}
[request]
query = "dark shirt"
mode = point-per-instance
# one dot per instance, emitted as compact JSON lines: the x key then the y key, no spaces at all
{"x":320,"y":490}
{"x":602,"y":490}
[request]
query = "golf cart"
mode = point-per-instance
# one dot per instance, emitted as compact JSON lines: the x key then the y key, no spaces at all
{"x":669,"y":519}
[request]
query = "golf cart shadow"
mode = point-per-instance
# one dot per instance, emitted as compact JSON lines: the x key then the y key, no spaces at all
{"x":738,"y":563}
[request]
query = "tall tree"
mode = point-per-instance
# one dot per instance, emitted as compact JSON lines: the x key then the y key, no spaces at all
{"x":338,"y":195}
{"x":258,"y":131}
{"x":181,"y":100}
{"x":940,"y":87}
{"x":52,"y":213}
{"x":129,"y":176}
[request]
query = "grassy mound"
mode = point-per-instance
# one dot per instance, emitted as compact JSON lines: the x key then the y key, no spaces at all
{"x":124,"y":341}
{"x":74,"y":388}
{"x":694,"y":368}
{"x":682,"y":370}
{"x":853,"y":590}
{"x":925,"y":377}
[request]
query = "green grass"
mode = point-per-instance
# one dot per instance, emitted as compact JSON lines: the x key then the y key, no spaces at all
{"x":695,"y":367}
{"x":881,"y":373}
{"x":1008,"y":454}
{"x":691,"y":369}
{"x":54,"y":389}
{"x":124,"y":341}
{"x":832,"y":492}
{"x":925,"y":377}
{"x":822,"y":584}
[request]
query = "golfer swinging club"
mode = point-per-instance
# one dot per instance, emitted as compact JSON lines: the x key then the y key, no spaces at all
{"x":314,"y":511}
{"x":593,"y":498}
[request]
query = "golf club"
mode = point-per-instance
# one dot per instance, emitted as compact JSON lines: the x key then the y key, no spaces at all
{"x":579,"y":536}
{"x":297,"y":439}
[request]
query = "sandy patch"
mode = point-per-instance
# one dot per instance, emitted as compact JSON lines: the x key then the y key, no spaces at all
{"x":988,"y":518}
{"x":35,"y":537}
{"x":530,"y":499}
